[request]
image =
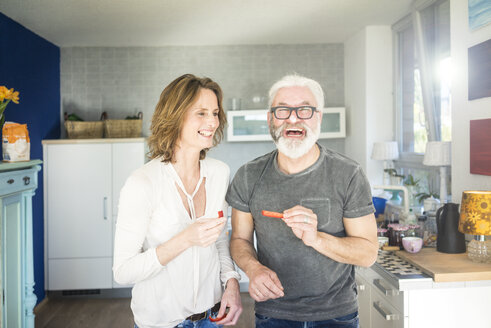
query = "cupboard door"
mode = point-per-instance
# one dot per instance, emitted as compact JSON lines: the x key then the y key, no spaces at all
{"x":66,"y":274}
{"x":79,"y":202}
{"x":126,"y":158}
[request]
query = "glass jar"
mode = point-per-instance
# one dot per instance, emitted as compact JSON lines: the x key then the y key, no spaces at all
{"x":413,"y":230}
{"x":382,"y":232}
{"x":396,"y":233}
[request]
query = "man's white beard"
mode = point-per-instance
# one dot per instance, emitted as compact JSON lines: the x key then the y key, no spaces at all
{"x":295,"y":148}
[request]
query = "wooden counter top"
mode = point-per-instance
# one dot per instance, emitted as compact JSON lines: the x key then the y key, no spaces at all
{"x":95,"y":140}
{"x":444,"y":267}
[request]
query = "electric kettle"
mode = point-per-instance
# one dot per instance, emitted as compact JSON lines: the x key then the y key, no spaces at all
{"x":449,"y":239}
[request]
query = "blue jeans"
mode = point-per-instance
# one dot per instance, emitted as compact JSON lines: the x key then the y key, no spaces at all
{"x":204,"y":323}
{"x":347,"y":321}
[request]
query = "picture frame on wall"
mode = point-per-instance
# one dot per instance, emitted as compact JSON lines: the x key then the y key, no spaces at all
{"x":479,"y":13}
{"x":479,"y":62}
{"x":480,"y":146}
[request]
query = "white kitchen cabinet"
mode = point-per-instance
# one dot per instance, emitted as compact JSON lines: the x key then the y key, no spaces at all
{"x":252,"y":124}
{"x":83,"y":179}
{"x":421,"y":302}
{"x":380,"y":305}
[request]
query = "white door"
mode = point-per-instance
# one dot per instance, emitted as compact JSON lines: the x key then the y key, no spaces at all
{"x":127,"y":157}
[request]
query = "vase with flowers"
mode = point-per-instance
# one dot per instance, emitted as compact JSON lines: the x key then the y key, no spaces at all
{"x":6,"y":96}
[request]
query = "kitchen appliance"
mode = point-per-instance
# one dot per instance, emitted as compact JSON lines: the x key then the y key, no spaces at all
{"x":449,"y":239}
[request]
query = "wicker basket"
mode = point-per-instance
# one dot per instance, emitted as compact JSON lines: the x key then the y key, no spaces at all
{"x":122,"y":128}
{"x":84,"y":130}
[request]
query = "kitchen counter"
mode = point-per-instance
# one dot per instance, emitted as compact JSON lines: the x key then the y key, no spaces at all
{"x":95,"y":140}
{"x":444,"y":267}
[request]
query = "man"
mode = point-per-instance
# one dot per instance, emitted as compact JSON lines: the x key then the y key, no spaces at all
{"x":303,"y":269}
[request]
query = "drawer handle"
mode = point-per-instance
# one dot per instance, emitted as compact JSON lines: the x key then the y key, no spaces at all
{"x":10,"y":181}
{"x":27,"y":180}
{"x":386,"y":291}
{"x":361,"y":287}
{"x":387,"y":316}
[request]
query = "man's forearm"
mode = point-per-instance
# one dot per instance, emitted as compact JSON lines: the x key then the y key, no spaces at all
{"x":243,"y":253}
{"x":351,"y":250}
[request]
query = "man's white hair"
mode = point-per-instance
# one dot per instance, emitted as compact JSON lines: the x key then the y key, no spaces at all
{"x":295,"y":80}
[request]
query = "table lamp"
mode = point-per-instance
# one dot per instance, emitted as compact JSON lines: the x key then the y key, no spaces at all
{"x":385,"y":151}
{"x":438,"y":154}
{"x":475,"y":219}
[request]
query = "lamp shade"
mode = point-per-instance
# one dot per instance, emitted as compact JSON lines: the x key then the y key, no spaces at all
{"x":475,"y":213}
{"x":385,"y":151}
{"x":437,"y":153}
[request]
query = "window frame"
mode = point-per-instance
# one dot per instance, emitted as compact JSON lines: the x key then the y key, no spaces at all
{"x":406,"y":159}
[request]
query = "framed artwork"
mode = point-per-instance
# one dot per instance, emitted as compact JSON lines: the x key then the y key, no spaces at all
{"x":252,"y":125}
{"x":480,"y":146}
{"x":479,"y":13}
{"x":479,"y":84}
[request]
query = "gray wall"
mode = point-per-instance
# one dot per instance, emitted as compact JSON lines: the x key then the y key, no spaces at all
{"x":123,"y":81}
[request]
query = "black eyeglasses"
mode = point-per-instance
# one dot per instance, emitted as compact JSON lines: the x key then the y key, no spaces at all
{"x":302,"y":112}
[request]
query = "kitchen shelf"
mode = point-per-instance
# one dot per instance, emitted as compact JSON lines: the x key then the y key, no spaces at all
{"x":252,"y":125}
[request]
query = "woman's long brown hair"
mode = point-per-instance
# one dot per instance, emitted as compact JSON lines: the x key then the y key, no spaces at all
{"x":169,"y":114}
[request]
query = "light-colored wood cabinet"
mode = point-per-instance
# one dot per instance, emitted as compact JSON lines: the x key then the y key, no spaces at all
{"x":83,"y":179}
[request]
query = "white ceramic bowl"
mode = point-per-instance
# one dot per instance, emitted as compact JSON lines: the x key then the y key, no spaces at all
{"x":412,"y":244}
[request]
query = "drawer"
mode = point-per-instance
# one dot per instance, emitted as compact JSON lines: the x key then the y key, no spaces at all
{"x":88,"y":273}
{"x":383,"y":314}
{"x":18,"y":181}
{"x":389,"y":292}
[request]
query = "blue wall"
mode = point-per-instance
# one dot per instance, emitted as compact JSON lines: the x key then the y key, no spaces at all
{"x":31,"y":65}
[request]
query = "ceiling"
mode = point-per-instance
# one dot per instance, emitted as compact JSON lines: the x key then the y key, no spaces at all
{"x":198,"y":22}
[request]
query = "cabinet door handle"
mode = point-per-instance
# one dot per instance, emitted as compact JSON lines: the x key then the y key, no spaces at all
{"x":386,"y":291}
{"x":387,"y":316}
{"x":105,"y":208}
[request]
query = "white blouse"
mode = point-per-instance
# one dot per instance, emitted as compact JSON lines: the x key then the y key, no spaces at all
{"x":151,"y":212}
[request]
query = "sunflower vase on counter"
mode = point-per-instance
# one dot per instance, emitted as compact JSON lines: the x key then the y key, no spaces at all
{"x":16,"y":145}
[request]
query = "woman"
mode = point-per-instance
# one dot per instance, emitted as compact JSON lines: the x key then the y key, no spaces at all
{"x":170,"y":240}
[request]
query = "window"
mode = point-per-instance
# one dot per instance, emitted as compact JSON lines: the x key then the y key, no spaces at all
{"x":423,"y":88}
{"x":423,"y":70}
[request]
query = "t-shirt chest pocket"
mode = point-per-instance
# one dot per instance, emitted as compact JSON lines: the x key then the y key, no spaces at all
{"x":322,"y":208}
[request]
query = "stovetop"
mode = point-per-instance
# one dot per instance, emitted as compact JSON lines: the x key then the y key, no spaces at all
{"x":397,"y":270}
{"x":397,"y":266}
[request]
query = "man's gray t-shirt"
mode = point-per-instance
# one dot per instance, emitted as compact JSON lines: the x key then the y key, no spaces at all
{"x":315,"y":286}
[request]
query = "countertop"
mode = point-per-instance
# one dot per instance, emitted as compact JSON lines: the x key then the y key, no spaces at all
{"x":444,"y":267}
{"x":97,"y":140}
{"x":9,"y":166}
